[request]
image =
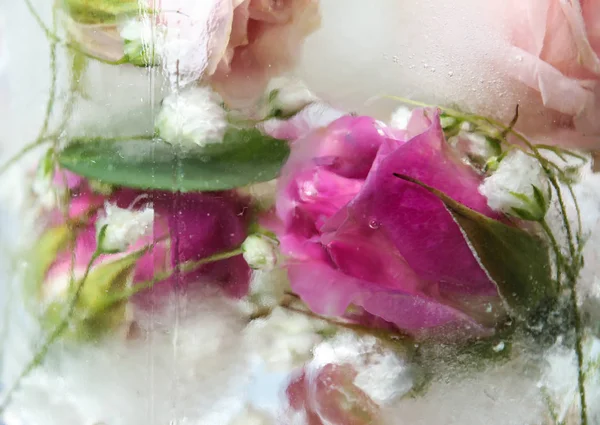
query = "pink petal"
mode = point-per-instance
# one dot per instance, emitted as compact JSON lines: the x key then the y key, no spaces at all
{"x":417,"y":223}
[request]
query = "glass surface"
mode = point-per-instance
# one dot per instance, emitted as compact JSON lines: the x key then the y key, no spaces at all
{"x":300,"y":212}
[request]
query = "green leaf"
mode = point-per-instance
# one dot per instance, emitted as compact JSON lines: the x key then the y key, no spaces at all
{"x":99,"y":11}
{"x":515,"y":260}
{"x":245,"y":156}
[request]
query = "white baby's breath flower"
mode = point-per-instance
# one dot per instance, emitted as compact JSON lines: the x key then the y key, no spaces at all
{"x":46,"y":194}
{"x":192,"y":118}
{"x":382,"y":374}
{"x":142,"y":41}
{"x":400,"y":118}
{"x":287,"y":96}
{"x":252,"y":416}
{"x":511,"y":188}
{"x":259,"y":252}
{"x":123,"y":227}
{"x":284,"y":339}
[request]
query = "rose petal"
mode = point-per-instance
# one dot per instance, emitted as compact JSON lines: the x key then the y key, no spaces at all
{"x":417,"y":223}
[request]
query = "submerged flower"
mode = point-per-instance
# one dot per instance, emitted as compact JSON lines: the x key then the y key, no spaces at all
{"x":356,"y":235}
{"x":179,"y":229}
{"x":237,"y":45}
{"x":518,"y":187}
{"x":142,"y":41}
{"x":284,"y":339}
{"x":192,"y":118}
{"x":119,"y":228}
{"x":259,"y":252}
{"x":287,"y":97}
{"x":348,"y":381}
{"x":556,"y":51}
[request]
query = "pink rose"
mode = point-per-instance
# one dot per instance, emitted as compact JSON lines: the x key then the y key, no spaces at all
{"x":356,"y":235}
{"x":190,"y":226}
{"x":329,"y":396}
{"x":238,"y":45}
{"x":555,"y":50}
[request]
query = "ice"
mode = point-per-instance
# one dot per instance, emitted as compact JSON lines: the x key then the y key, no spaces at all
{"x":362,"y":52}
{"x":505,"y":394}
{"x":187,"y":367}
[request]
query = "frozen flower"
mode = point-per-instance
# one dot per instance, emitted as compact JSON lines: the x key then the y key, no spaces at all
{"x":556,"y":51}
{"x":260,"y":252}
{"x":380,"y":372}
{"x":355,"y":235}
{"x":252,"y":416}
{"x":348,"y":381}
{"x":142,"y":41}
{"x":284,"y":339}
{"x":237,"y":46}
{"x":401,"y":117}
{"x":267,"y":290}
{"x":315,"y":115}
{"x":180,"y":228}
{"x":287,"y":97}
{"x":119,"y":228}
{"x":518,"y":187}
{"x":191,"y":118}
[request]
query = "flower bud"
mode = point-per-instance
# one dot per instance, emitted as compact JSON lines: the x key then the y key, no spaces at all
{"x":192,"y":118}
{"x":120,"y":228}
{"x":286,"y":98}
{"x":141,"y":42}
{"x":259,"y":252}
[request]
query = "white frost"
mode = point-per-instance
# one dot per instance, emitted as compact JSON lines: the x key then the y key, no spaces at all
{"x":123,"y":226}
{"x":191,"y":118}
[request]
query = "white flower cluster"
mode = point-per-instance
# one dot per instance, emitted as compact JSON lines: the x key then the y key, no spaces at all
{"x":122,"y":227}
{"x":192,"y":118}
{"x":284,"y":339}
{"x":510,"y":188}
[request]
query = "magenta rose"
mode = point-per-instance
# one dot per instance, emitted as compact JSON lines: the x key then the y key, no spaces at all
{"x":356,"y":235}
{"x":187,"y":227}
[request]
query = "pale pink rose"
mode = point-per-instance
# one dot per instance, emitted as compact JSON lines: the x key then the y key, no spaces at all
{"x":555,"y":48}
{"x":236,"y":45}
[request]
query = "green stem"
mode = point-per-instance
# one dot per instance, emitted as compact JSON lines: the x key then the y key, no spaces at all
{"x":186,"y":267}
{"x":555,"y":248}
{"x":19,"y":155}
{"x":580,"y":360}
